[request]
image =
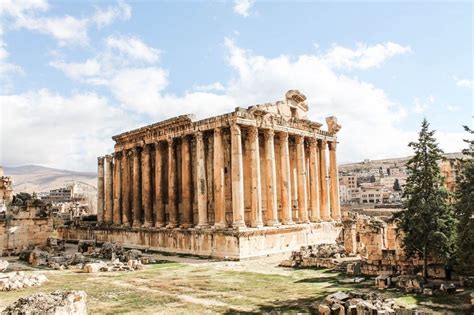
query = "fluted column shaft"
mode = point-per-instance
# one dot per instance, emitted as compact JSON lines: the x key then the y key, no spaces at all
{"x":219,"y":193}
{"x":286,"y":213}
{"x":324,"y":207}
{"x":314,"y":180}
{"x":109,"y":188}
{"x":117,"y":181}
{"x":256,"y":192}
{"x":272,"y":207}
{"x":201,"y":181}
{"x":160,"y":216}
{"x":186,"y":201}
{"x":100,"y":189}
{"x":126,"y":213}
{"x":146,"y":187}
{"x":237,"y":177}
{"x":301,"y":170}
{"x":136,"y":201}
{"x":172,"y":209}
{"x":334,"y":182}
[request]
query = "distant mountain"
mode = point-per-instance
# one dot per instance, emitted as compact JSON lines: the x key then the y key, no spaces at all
{"x":34,"y":178}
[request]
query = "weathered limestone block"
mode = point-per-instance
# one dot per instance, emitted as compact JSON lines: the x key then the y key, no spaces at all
{"x":55,"y":303}
{"x":3,"y":265}
{"x":18,"y":280}
{"x":93,"y":267}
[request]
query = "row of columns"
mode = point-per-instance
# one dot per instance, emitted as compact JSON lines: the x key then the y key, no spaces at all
{"x":126,"y":198}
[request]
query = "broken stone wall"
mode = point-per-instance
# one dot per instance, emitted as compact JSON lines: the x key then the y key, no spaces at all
{"x":379,"y":244}
{"x":23,"y":228}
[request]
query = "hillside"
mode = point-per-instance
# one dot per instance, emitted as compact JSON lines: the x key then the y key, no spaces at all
{"x":34,"y":178}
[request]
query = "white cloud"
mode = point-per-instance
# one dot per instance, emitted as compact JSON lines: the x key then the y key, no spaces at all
{"x":364,"y":56}
{"x":31,"y":15}
{"x":216,"y":86}
{"x":76,"y":71}
{"x":452,"y":108}
{"x":133,"y":48}
{"x":464,"y":83}
{"x":420,"y":106}
{"x":53,"y":130}
{"x":103,"y":17}
{"x":242,"y":7}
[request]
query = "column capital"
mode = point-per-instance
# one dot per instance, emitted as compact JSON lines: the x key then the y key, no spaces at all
{"x":118,"y":155}
{"x":323,"y":144}
{"x":268,"y":134}
{"x":299,"y":139}
{"x":235,"y":129}
{"x":198,"y":135}
{"x":109,"y":157}
{"x":100,"y":160}
{"x":146,"y":148}
{"x":253,"y":132}
{"x":312,"y":142}
{"x":218,"y":130}
{"x":136,"y":150}
{"x":170,"y":141}
{"x":283,"y":135}
{"x":332,"y":145}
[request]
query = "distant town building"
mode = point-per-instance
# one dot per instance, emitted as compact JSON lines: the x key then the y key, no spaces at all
{"x":6,"y":190}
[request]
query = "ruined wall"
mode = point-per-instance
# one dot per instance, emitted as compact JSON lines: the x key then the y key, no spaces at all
{"x":23,"y":229}
{"x":379,"y":244}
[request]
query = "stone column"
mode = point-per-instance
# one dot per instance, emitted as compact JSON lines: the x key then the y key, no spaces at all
{"x":109,"y":189}
{"x":256,"y":196}
{"x":146,"y":187}
{"x":117,"y":213}
{"x":324,"y":209}
{"x":160,"y":217}
{"x":314,"y":180}
{"x":334,"y":182}
{"x":201,"y":181}
{"x":270,"y":169}
{"x":237,"y":174}
{"x":219,"y":193}
{"x":136,"y":202}
{"x":172,"y":209}
{"x":286,"y":215}
{"x":301,"y":169}
{"x":186,"y":201}
{"x":100,"y":189}
{"x":126,"y":213}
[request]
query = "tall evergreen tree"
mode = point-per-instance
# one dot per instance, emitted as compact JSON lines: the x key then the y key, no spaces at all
{"x":396,"y":185}
{"x":464,"y":210}
{"x":427,"y":221}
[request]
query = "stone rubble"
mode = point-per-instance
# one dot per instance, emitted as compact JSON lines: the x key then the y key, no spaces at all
{"x":55,"y":303}
{"x":318,"y":256}
{"x":114,"y":265}
{"x":18,"y":280}
{"x":358,"y":303}
{"x":3,"y":265}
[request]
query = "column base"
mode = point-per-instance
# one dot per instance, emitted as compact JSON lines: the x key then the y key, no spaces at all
{"x":172,"y":225}
{"x":272,"y":223}
{"x":239,"y":225}
{"x":126,"y":224}
{"x":257,"y":225}
{"x":160,"y":224}
{"x":303,"y":221}
{"x":202,"y":226}
{"x":219,"y":226}
{"x":288,"y":222}
{"x":186,"y":225}
{"x":147,"y":225}
{"x":136,"y":225}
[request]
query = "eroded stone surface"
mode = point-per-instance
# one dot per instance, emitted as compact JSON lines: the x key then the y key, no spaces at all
{"x":55,"y":303}
{"x":18,"y":280}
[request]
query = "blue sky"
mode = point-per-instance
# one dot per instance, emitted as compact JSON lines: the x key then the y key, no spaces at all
{"x":75,"y":73}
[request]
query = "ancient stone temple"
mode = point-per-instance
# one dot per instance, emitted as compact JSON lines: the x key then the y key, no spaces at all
{"x":256,"y":181}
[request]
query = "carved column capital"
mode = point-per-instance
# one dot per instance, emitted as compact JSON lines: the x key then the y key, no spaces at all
{"x":253,"y":132}
{"x":109,"y":157}
{"x":312,"y":142}
{"x":146,"y":148}
{"x":323,"y":144}
{"x":299,"y":139}
{"x":198,"y":135}
{"x":100,"y":160}
{"x":332,"y":145}
{"x":269,"y":134}
{"x":235,"y":129}
{"x":284,"y":136}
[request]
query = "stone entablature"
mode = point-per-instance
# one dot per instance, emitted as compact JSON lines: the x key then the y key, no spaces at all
{"x":255,"y":167}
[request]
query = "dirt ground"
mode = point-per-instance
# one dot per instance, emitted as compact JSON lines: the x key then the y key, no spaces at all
{"x":183,"y":285}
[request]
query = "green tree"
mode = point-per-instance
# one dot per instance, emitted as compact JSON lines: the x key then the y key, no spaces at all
{"x":427,"y":221}
{"x":464,"y":210}
{"x":396,"y":185}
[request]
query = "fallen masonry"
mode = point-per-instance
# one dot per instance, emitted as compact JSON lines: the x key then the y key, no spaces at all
{"x":358,"y":303}
{"x":115,"y":265}
{"x":55,"y":303}
{"x":3,"y":265}
{"x":18,"y":280}
{"x":319,"y":256}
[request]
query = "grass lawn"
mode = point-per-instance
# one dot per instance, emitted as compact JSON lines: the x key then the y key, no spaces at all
{"x":198,"y":287}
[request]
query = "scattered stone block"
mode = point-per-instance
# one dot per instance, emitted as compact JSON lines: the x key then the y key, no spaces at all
{"x":3,"y":265}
